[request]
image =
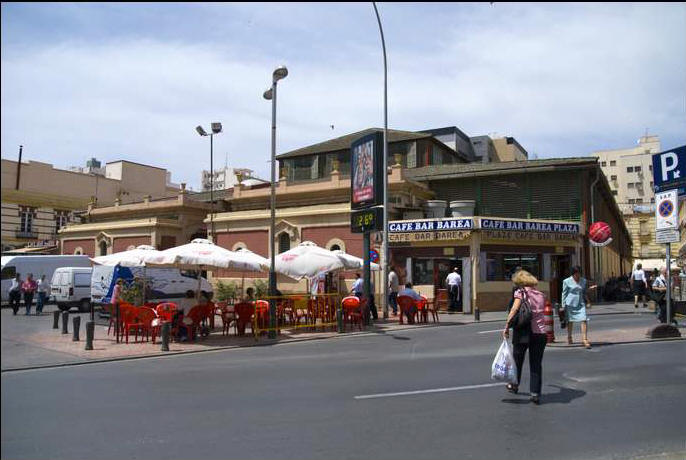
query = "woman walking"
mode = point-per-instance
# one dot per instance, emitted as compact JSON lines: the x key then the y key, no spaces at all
{"x":574,"y":301}
{"x":639,"y":285}
{"x":531,"y":336}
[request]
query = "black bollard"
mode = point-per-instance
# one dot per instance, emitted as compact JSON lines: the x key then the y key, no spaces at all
{"x":65,"y":322}
{"x":56,"y":319}
{"x":77,"y":326}
{"x":166,"y":329}
{"x":339,"y":320}
{"x":90,"y":332}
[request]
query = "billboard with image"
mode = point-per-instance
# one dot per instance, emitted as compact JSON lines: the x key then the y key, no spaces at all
{"x":366,"y":163}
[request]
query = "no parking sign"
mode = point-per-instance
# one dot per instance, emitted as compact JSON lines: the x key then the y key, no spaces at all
{"x":667,"y":217}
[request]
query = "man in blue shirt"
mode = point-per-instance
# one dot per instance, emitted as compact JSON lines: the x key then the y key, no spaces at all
{"x":408,"y":291}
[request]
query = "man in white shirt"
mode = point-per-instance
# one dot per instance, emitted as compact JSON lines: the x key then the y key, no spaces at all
{"x":393,"y":288}
{"x":639,"y":285}
{"x":454,"y":282}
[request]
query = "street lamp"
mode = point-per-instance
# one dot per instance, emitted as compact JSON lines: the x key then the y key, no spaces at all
{"x":279,"y":74}
{"x":216,"y":129}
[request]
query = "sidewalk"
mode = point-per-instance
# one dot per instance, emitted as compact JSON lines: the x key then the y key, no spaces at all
{"x":31,"y":342}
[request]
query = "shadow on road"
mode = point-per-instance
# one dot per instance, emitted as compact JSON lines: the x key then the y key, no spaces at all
{"x":564,"y":396}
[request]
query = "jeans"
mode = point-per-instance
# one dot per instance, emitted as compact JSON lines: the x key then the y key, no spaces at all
{"x":536,"y":347}
{"x":454,"y":293}
{"x":28,"y":300}
{"x":40,"y":302}
{"x":393,"y":300}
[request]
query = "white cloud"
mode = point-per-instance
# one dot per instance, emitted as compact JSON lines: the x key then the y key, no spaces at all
{"x":564,"y":80}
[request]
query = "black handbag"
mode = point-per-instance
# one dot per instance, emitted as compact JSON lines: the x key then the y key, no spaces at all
{"x":523,"y":317}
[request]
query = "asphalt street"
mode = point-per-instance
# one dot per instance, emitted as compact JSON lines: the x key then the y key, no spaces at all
{"x":415,"y":394}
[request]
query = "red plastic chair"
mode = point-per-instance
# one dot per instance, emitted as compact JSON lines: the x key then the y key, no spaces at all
{"x":262,"y":310}
{"x":352,"y":311}
{"x":165,"y":311}
{"x":193,"y":320}
{"x":123,"y":306}
{"x":422,"y":310}
{"x":244,"y":313}
{"x":408,"y":308}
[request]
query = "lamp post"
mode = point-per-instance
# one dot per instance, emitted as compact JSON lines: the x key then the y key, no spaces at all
{"x":384,"y":252}
{"x":216,"y":129}
{"x":279,"y":74}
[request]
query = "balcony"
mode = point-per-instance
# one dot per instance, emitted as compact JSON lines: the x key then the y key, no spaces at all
{"x":26,"y":235}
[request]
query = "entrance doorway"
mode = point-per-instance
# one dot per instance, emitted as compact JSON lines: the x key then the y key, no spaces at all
{"x":442,"y":267}
{"x":561,"y":269}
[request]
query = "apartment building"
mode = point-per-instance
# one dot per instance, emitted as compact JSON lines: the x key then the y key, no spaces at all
{"x":39,"y":199}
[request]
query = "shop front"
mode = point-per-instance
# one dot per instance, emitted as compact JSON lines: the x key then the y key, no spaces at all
{"x":486,"y":251}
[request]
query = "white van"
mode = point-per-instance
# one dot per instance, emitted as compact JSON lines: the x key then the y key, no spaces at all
{"x":71,"y":287}
{"x":38,"y":265}
{"x":164,"y":284}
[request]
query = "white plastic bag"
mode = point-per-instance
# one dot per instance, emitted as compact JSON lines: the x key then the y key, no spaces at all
{"x":504,"y":368}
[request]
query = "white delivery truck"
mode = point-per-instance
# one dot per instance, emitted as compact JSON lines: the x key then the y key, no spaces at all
{"x":71,"y":287}
{"x":38,"y":265}
{"x":163,"y":284}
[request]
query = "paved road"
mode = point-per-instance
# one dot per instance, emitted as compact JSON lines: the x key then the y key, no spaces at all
{"x":299,"y":401}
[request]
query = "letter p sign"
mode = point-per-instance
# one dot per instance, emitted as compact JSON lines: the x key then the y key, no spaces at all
{"x":669,"y":162}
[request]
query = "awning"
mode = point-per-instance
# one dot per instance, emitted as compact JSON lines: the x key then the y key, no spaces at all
{"x":33,"y":250}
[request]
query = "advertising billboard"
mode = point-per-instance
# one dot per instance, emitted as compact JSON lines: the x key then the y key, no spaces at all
{"x":366,"y":163}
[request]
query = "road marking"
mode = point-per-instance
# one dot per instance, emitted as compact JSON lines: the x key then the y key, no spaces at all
{"x":433,"y":390}
{"x":486,"y":332}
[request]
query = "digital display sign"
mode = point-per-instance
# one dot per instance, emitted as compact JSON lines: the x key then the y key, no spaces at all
{"x":366,"y":220}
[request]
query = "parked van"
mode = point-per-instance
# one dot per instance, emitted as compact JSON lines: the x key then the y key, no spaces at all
{"x":38,"y":265}
{"x":71,"y":287}
{"x":163,"y":284}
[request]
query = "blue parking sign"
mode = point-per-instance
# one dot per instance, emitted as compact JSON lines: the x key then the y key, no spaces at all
{"x":669,"y":170}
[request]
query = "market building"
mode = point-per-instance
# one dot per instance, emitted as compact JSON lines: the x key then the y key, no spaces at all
{"x":529,"y":213}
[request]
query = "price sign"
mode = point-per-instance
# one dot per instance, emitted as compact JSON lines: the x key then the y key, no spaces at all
{"x":366,"y":220}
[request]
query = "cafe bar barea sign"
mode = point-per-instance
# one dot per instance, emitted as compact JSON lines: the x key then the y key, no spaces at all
{"x":429,"y":230}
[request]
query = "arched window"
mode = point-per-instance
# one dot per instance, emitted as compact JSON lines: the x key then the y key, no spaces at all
{"x":78,"y":251}
{"x":335,"y":247}
{"x":284,"y":242}
{"x":103,"y":248}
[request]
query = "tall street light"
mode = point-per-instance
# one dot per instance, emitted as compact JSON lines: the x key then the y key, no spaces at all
{"x":216,"y":129}
{"x":279,"y":74}
{"x":384,"y":260}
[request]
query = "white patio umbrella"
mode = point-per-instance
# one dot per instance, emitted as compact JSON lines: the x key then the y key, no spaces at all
{"x":130,"y":258}
{"x":307,"y":260}
{"x":354,"y":263}
{"x":201,"y":254}
{"x":250,"y":256}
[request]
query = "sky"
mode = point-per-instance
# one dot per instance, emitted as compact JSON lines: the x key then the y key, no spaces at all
{"x":132,"y":80}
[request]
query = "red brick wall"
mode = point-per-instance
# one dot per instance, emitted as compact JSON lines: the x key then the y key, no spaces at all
{"x":88,"y":246}
{"x":257,"y":241}
{"x":122,"y":244}
{"x":167,"y":242}
{"x":322,"y":235}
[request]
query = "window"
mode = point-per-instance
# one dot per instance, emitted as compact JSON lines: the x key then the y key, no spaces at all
{"x":614,"y":192}
{"x":630,"y":185}
{"x":603,"y":163}
{"x":650,"y":168}
{"x":501,"y":267}
{"x":613,"y":177}
{"x":422,"y":271}
{"x":27,"y":215}
{"x":61,"y":219}
{"x":639,"y":200}
{"x":103,"y":248}
{"x":651,"y":184}
{"x":82,"y":279}
{"x":335,"y":247}
{"x":637,"y":169}
{"x":9,"y":273}
{"x":613,"y":163}
{"x":284,"y":242}
{"x":652,"y":200}
{"x":632,"y":201}
{"x":629,"y":169}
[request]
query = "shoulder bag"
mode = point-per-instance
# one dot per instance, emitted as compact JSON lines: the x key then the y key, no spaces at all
{"x":523,"y":317}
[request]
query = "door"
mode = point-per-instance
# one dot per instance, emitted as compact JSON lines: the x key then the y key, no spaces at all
{"x":561,"y":266}
{"x":442,"y":267}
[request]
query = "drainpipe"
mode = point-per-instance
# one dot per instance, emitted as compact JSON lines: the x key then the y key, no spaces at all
{"x":19,"y":167}
{"x":594,"y":249}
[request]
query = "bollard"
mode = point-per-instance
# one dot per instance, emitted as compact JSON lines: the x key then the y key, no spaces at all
{"x":166,"y":329}
{"x":477,"y":314}
{"x":56,"y":319}
{"x":65,"y":322}
{"x":339,"y":320}
{"x":90,"y":332}
{"x":77,"y":326}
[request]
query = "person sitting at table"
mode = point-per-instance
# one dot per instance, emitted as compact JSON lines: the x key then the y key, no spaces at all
{"x":408,"y":291}
{"x":179,"y":326}
{"x":249,"y":295}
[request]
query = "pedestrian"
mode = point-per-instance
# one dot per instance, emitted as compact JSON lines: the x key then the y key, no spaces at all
{"x":574,"y":301}
{"x":454,"y":282}
{"x":639,"y":285}
{"x":15,"y":293}
{"x":358,"y":286}
{"x":43,"y":290}
{"x":409,"y":292}
{"x":393,"y":287}
{"x":29,"y":287}
{"x":530,"y":337}
{"x":660,"y":296}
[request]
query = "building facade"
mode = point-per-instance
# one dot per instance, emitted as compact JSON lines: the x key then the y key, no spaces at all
{"x":38,"y":199}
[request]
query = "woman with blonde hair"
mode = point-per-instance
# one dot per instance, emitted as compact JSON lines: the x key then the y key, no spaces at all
{"x":529,"y":336}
